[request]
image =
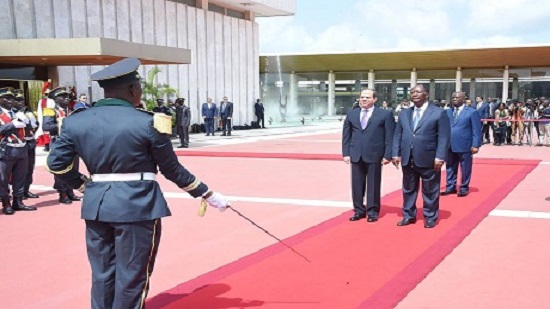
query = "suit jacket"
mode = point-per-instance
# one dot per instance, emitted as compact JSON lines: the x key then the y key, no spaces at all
{"x":209,"y":112}
{"x":228,"y":111}
{"x":430,"y":139}
{"x":483,"y":110}
{"x":466,"y":130}
{"x":258,"y":108}
{"x":105,"y":136}
{"x":183,"y":116}
{"x":371,"y":144}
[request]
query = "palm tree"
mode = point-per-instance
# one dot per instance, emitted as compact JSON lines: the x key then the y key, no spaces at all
{"x":152,"y":91}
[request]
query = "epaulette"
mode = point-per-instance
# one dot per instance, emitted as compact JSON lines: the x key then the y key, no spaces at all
{"x":163,"y":123}
{"x":145,"y":111}
{"x":48,"y":112}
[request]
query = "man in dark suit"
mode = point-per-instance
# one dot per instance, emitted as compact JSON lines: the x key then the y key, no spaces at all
{"x":123,"y":148}
{"x":465,"y":142}
{"x":209,"y":112}
{"x":226,"y":113}
{"x":482,"y":108}
{"x":366,"y":143}
{"x":183,"y":121}
{"x":420,"y":143}
{"x":259,"y":111}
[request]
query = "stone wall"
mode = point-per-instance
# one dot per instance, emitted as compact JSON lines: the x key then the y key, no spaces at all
{"x":225,"y":50}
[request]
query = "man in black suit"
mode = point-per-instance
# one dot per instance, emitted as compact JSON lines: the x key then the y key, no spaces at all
{"x":259,"y":110}
{"x":420,"y":142}
{"x":226,"y":113}
{"x":123,"y":149}
{"x":183,"y":121}
{"x":366,"y":143}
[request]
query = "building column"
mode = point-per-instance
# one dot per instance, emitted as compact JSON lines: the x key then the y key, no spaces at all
{"x":371,"y":80}
{"x":331,"y":93}
{"x":473,"y":94}
{"x":458,"y":82}
{"x":432,"y":90}
{"x":515,"y":89}
{"x":393,"y":91}
{"x":414,"y":76}
{"x":505,"y":78}
{"x":292,"y":107}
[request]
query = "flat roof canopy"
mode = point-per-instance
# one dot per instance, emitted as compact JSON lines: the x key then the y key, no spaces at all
{"x":530,"y":56}
{"x":85,"y":51}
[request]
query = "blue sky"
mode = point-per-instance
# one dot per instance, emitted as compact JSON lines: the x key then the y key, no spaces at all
{"x":323,"y":26}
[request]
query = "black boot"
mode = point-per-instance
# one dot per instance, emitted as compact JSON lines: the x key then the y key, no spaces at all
{"x":18,"y":205}
{"x":6,"y":206}
{"x":72,"y":197}
{"x":64,"y":198}
{"x":29,"y":194}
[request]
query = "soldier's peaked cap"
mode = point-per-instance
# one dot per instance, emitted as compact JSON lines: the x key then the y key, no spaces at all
{"x":57,"y":92}
{"x":6,"y":91}
{"x":117,"y":73}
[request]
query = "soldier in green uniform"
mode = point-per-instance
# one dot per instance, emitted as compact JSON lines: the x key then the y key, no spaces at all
{"x":123,"y":203}
{"x":53,"y":119}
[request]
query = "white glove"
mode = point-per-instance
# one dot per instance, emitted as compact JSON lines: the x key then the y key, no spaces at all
{"x":22,"y":117}
{"x":217,"y":200}
{"x":34,"y":125}
{"x":18,"y":124}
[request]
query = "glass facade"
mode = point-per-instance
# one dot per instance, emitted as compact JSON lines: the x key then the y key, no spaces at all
{"x":311,"y":90}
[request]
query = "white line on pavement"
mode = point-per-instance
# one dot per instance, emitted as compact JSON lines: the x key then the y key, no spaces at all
{"x":268,"y":200}
{"x":520,"y":214}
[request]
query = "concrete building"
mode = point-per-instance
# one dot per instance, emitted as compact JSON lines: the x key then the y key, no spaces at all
{"x":204,"y":48}
{"x":327,"y":84}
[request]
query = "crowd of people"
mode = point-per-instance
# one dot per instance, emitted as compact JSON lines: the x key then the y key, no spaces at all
{"x":512,"y":122}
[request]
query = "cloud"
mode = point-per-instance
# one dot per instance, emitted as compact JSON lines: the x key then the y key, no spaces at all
{"x":409,"y":25}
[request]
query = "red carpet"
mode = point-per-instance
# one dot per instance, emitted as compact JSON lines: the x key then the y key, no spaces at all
{"x":265,"y":155}
{"x":353,"y":264}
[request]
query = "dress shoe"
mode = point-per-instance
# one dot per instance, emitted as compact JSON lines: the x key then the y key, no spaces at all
{"x":356,"y":217}
{"x":463,"y":193}
{"x":447,"y":192}
{"x":429,"y":224}
{"x":72,"y":196}
{"x":223,"y":134}
{"x":406,"y":222}
{"x":372,"y":219}
{"x":63,"y":198}
{"x":18,"y":205}
{"x":6,"y":206}
{"x":29,"y":194}
{"x":181,"y":146}
{"x":229,"y":134}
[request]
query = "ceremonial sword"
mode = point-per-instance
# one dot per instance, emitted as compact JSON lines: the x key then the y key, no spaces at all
{"x":202,"y":211}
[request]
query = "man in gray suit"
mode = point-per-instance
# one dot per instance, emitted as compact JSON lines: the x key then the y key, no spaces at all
{"x":183,"y":121}
{"x":123,"y":149}
{"x":420,"y":144}
{"x":366,"y":143}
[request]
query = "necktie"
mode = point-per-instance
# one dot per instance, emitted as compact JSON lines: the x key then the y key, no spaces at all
{"x":455,"y":114}
{"x":364,"y":119}
{"x":416,"y":117}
